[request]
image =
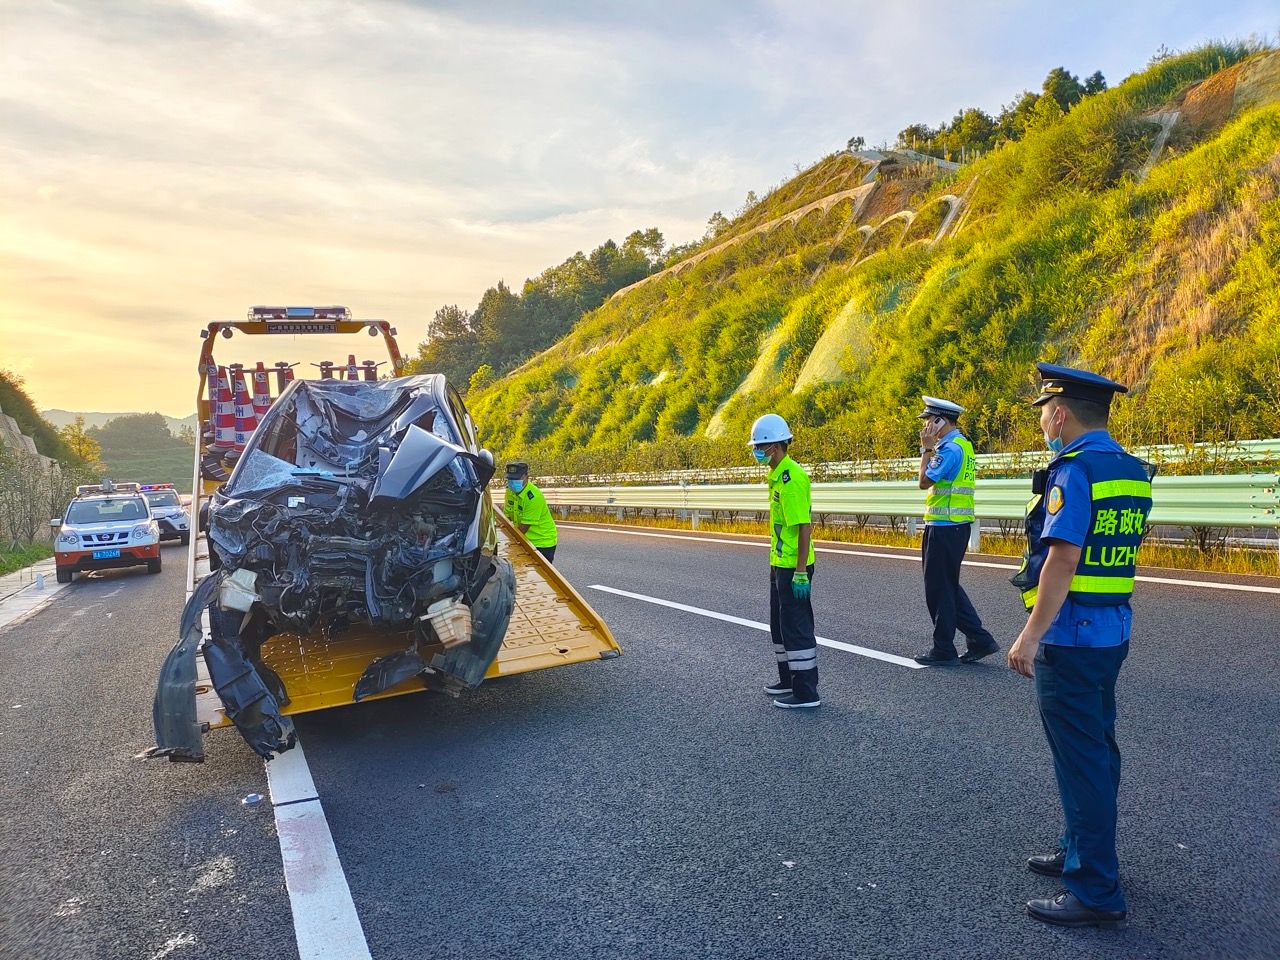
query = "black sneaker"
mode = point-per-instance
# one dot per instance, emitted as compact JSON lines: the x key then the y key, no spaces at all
{"x":791,"y":703}
{"x":973,"y":656}
{"x":932,"y":659}
{"x":778,"y":689}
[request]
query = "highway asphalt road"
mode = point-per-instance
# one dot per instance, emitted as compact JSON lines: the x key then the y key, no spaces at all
{"x":654,"y":805}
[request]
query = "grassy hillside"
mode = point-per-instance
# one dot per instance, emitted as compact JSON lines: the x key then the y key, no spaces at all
{"x":139,"y":447}
{"x":1064,"y":251}
{"x":15,"y":403}
{"x":60,"y":418}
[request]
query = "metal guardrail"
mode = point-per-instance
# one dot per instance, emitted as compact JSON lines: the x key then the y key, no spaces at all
{"x":1235,"y":453}
{"x":1230,"y":500}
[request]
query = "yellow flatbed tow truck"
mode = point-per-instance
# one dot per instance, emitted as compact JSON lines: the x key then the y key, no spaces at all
{"x":348,"y":549}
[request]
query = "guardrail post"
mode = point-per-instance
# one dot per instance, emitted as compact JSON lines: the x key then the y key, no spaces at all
{"x":693,"y":519}
{"x":975,"y":534}
{"x":912,"y":524}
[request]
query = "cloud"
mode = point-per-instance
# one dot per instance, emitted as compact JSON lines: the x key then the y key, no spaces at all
{"x":170,"y":162}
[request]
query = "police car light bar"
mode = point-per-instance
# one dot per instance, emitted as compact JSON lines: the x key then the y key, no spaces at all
{"x":88,"y":489}
{"x":155,"y":486}
{"x":299,"y":313}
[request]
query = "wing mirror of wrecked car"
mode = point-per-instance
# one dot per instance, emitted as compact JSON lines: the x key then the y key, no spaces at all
{"x":486,"y":455}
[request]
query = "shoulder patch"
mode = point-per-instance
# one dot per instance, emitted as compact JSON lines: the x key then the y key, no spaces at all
{"x":936,"y":461}
{"x":786,"y":476}
{"x":530,"y":494}
{"x":1054,"y":502}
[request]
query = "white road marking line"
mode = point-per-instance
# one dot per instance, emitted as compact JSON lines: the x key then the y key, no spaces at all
{"x":325,"y":922}
{"x":757,"y":625}
{"x":1172,"y":581}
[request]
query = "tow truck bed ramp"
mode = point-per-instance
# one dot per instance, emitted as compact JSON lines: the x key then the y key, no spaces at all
{"x":551,"y":626}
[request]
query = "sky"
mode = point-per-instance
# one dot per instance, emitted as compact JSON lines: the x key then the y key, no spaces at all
{"x":164,"y":163}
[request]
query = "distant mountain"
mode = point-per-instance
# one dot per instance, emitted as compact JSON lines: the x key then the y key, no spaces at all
{"x":60,"y":418}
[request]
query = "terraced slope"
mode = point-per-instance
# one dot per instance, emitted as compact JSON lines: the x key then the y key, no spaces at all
{"x":1142,"y":246}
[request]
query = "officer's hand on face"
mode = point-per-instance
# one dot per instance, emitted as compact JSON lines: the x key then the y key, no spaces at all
{"x":1022,"y":655}
{"x":800,"y":586}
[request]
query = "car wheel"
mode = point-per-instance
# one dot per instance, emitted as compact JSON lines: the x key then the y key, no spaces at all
{"x":153,"y":566}
{"x":186,"y":538}
{"x":64,"y":576}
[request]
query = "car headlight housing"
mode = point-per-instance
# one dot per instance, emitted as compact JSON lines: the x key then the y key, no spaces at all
{"x":69,"y":540}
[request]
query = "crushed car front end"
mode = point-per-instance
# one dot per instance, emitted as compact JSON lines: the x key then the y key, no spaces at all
{"x":354,"y":530}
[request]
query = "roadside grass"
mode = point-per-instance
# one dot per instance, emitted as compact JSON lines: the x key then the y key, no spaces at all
{"x":1216,"y":559}
{"x":16,"y":559}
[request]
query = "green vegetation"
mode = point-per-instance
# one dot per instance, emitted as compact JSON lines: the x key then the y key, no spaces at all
{"x":22,"y":556}
{"x":139,"y":447}
{"x":973,"y":131}
{"x":15,"y":403}
{"x":506,"y":327}
{"x":1170,"y":283}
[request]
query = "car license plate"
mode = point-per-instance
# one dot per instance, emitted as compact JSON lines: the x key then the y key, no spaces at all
{"x":106,"y":554}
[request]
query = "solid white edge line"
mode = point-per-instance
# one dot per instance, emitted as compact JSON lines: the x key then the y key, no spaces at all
{"x":757,"y":625}
{"x":1170,"y":581}
{"x":325,"y":923}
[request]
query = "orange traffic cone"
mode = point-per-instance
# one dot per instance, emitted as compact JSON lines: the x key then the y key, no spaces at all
{"x":261,"y":391}
{"x":246,"y":419}
{"x":224,"y":415}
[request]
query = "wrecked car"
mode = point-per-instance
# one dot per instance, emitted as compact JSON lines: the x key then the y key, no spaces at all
{"x":357,"y":507}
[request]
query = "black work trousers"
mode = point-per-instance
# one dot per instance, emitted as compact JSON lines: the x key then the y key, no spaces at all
{"x":548,"y":552}
{"x":941,"y":553}
{"x":794,"y":643}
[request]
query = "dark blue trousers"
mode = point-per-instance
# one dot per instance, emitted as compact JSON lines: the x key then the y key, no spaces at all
{"x":794,"y":642}
{"x":1076,"y":690}
{"x":941,"y":552}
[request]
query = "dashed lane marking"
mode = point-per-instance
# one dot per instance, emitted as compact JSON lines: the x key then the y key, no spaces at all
{"x":915,"y":558}
{"x":757,"y":625}
{"x":325,"y":921}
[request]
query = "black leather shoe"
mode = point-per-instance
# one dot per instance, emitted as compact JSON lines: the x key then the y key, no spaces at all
{"x":932,"y":659}
{"x":1066,"y":910}
{"x":1048,"y":864}
{"x":973,"y":656}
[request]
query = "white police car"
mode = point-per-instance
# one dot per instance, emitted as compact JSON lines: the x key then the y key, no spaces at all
{"x":106,"y":526}
{"x":167,"y":510}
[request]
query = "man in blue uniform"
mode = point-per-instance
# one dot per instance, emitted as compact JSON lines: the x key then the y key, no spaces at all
{"x":1084,"y":526}
{"x":948,"y":470}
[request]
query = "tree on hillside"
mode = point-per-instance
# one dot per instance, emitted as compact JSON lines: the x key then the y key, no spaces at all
{"x":1064,"y":87}
{"x":499,"y":322}
{"x":717,"y":224}
{"x":650,"y":243}
{"x":1095,"y":83}
{"x":133,"y":433}
{"x":77,"y":438}
{"x":1047,"y":111}
{"x":856,"y":143}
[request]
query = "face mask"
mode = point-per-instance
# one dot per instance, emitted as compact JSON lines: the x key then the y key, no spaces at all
{"x":760,"y":455}
{"x":515,"y":486}
{"x":1054,"y":443}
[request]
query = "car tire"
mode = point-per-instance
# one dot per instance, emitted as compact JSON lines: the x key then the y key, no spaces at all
{"x":64,"y":576}
{"x":186,"y":538}
{"x":153,"y":566}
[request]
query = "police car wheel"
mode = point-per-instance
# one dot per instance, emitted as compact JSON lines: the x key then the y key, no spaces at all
{"x":64,"y":576}
{"x":186,"y":538}
{"x":153,"y":566}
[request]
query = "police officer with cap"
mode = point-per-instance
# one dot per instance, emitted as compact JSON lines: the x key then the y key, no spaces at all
{"x":790,"y":567}
{"x":1084,"y":525}
{"x":526,"y":507}
{"x":948,"y":470}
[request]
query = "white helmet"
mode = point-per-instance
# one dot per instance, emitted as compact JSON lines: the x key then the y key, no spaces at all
{"x":770,"y":428}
